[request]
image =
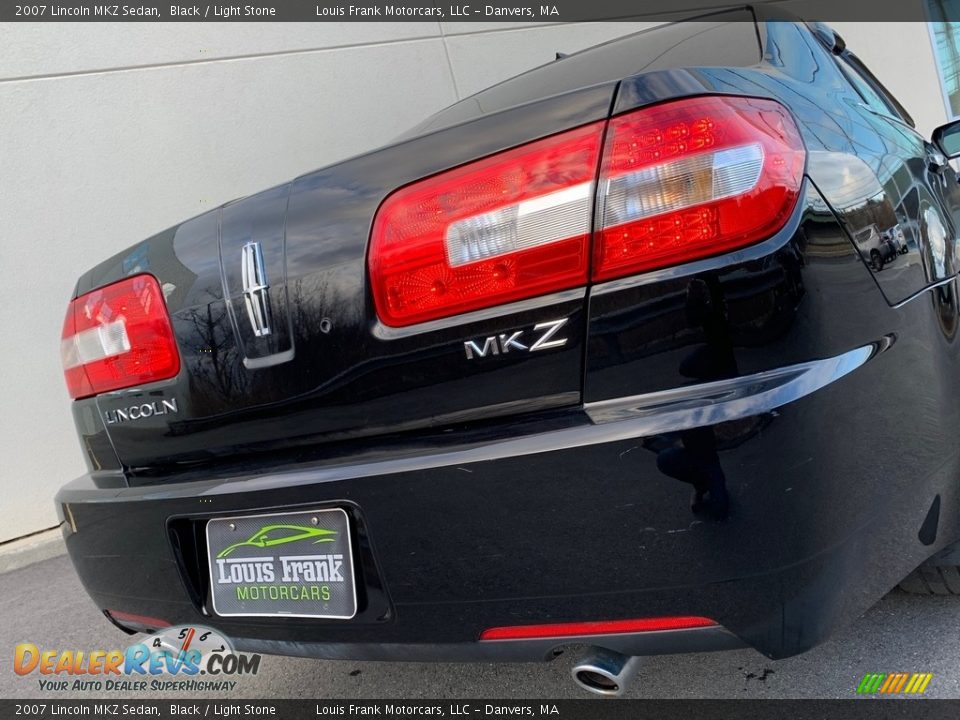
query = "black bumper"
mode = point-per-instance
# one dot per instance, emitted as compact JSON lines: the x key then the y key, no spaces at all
{"x":576,"y":519}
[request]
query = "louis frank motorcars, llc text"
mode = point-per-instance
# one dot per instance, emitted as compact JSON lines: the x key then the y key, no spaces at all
{"x":487,"y":709}
{"x":451,"y":11}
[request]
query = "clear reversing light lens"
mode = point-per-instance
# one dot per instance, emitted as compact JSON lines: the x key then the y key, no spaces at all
{"x":539,"y":221}
{"x":98,"y":343}
{"x":678,"y":184}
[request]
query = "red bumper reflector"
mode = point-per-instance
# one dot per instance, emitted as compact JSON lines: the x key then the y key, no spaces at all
{"x":137,"y":621}
{"x":599,"y":627}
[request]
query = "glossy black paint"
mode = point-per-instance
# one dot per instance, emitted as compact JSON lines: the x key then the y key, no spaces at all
{"x":349,"y":381}
{"x":779,"y":525}
{"x":325,"y":374}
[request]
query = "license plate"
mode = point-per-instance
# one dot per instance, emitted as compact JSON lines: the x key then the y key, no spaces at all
{"x":296,"y":564}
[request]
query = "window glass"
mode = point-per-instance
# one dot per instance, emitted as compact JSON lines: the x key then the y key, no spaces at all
{"x":946,"y":49}
{"x":870,"y":96}
{"x":896,"y":108}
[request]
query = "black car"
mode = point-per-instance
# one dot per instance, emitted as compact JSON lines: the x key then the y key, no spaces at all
{"x":589,"y":357}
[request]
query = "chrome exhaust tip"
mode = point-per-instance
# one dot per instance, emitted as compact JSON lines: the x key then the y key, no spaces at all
{"x":605,"y":672}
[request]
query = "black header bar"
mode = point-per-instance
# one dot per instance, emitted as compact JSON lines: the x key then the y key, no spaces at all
{"x":464,"y":11}
{"x":599,"y":709}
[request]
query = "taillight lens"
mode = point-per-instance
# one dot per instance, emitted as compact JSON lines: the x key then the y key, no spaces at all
{"x":679,"y":181}
{"x":118,"y":336}
{"x":693,"y":178}
{"x":511,"y":226}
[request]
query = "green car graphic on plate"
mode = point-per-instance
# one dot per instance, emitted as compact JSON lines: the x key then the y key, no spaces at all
{"x":270,"y":535}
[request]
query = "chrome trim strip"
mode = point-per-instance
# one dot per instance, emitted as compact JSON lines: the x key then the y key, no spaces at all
{"x":384,"y":332}
{"x":928,"y":288}
{"x":604,"y":422}
{"x":715,"y":402}
{"x":268,"y":360}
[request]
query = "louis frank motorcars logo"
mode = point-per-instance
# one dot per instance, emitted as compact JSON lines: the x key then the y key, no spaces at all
{"x":299,"y":571}
{"x":291,"y":564}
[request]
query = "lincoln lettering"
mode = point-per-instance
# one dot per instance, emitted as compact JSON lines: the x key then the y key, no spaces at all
{"x":139,"y":412}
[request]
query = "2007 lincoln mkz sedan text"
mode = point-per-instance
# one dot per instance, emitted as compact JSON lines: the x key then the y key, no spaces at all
{"x":653,"y":348}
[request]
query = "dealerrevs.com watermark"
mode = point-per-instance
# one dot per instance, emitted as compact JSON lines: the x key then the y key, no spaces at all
{"x":185,"y":658}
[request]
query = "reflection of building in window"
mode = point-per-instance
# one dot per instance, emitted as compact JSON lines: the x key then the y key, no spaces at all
{"x":946,"y":45}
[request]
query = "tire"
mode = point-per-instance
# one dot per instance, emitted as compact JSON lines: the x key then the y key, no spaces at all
{"x":876,"y":260}
{"x":933,"y":580}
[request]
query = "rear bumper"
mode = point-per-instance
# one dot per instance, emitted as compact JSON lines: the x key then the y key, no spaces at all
{"x":583,"y":517}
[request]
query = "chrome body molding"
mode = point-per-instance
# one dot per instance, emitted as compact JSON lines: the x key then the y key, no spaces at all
{"x":384,"y":332}
{"x":723,"y":400}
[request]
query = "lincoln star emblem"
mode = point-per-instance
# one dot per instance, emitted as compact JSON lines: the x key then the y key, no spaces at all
{"x":255,"y":289}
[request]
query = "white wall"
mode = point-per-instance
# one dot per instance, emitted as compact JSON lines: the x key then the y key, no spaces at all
{"x":110,"y":132}
{"x":911,"y":76}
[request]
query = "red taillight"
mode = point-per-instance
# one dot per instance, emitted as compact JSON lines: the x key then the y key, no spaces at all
{"x":694,"y":178}
{"x":118,"y":336}
{"x":505,"y":228}
{"x":678,"y":181}
{"x":600,"y":627}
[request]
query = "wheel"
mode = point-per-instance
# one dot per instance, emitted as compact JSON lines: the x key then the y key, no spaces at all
{"x":875,"y":260}
{"x":933,"y":580}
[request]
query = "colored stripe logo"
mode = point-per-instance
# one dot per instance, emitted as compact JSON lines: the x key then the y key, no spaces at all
{"x":894,"y":683}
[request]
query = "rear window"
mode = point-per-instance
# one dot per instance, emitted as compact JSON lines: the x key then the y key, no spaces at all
{"x":728,"y":39}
